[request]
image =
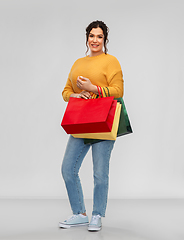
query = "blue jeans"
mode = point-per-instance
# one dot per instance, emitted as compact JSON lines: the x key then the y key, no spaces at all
{"x":73,"y":158}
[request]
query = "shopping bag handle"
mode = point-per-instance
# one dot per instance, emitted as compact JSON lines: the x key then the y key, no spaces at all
{"x":100,"y":89}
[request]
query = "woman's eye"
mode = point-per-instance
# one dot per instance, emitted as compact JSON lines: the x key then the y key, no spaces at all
{"x":100,"y":36}
{"x":91,"y":35}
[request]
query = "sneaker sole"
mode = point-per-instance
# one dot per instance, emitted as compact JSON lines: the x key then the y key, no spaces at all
{"x":94,"y":229}
{"x":61,"y":225}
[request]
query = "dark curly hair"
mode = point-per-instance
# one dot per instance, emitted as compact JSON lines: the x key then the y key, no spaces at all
{"x":105,"y":29}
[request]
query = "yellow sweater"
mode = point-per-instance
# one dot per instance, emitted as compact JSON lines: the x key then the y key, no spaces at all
{"x":103,"y":70}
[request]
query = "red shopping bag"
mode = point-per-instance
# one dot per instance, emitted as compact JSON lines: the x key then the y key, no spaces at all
{"x":91,"y":115}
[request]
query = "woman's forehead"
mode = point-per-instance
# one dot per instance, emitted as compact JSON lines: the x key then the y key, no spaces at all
{"x":96,"y":31}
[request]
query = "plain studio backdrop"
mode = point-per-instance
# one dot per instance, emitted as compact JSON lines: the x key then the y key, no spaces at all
{"x":40,"y":40}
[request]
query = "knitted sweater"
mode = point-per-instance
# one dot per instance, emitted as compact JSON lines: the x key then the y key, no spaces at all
{"x":103,"y":70}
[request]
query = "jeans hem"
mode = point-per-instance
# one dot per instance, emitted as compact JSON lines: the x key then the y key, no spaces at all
{"x":81,"y":212}
{"x":96,"y":213}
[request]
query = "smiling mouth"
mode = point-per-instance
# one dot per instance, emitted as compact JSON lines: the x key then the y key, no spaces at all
{"x":94,"y":45}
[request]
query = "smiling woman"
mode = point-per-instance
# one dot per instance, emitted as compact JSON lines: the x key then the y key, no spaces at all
{"x":87,"y":73}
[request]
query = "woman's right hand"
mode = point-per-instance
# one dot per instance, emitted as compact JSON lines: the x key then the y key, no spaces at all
{"x":83,"y":94}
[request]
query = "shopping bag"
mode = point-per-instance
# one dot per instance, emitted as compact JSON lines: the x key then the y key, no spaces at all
{"x":124,"y":124}
{"x":89,"y":115}
{"x":104,"y":135}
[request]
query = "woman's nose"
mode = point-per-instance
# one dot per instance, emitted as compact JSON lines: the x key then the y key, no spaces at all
{"x":95,"y":39}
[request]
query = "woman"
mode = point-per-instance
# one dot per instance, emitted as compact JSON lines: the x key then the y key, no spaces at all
{"x":96,"y":69}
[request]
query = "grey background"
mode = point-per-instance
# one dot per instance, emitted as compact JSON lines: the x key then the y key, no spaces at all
{"x":39,"y":41}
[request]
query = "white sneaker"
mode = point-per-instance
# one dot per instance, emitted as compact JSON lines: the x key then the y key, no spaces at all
{"x":95,"y":224}
{"x":75,"y":221}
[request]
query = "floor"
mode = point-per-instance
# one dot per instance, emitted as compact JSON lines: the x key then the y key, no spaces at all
{"x":125,"y":220}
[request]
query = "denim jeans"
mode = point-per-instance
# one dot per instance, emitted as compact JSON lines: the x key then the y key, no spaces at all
{"x":73,"y":158}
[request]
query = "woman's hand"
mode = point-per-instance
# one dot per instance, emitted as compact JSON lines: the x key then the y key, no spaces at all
{"x":85,"y":84}
{"x":83,"y":94}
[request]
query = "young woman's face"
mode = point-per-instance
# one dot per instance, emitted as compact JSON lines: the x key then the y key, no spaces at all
{"x":96,"y":41}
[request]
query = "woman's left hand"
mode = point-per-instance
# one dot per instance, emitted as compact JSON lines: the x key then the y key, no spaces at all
{"x":84,"y":84}
{"x":85,"y":95}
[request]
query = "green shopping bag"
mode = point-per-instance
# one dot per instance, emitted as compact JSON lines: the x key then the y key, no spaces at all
{"x":124,"y":124}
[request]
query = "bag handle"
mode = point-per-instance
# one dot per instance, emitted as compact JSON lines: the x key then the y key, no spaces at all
{"x":98,"y":87}
{"x":101,"y":91}
{"x":108,"y":91}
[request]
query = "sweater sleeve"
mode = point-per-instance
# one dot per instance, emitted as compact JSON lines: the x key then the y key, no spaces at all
{"x":116,"y":85}
{"x":115,"y":79}
{"x":68,"y":89}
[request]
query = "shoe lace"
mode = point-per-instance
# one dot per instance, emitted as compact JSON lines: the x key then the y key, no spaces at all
{"x":94,"y":219}
{"x":71,"y":218}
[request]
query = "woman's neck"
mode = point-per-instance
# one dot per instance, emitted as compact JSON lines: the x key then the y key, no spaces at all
{"x":94,"y":54}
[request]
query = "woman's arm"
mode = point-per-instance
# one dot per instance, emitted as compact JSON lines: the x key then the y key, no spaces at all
{"x":85,"y":84}
{"x":68,"y":92}
{"x":115,"y":87}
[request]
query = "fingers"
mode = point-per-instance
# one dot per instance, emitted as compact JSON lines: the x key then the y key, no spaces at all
{"x":83,"y":78}
{"x":79,"y":83}
{"x":85,"y":95}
